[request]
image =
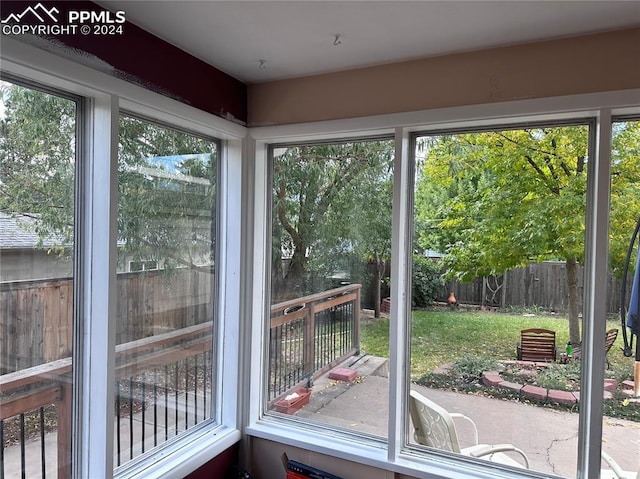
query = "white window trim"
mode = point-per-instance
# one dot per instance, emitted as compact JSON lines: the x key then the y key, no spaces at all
{"x":395,"y":456}
{"x":105,"y":95}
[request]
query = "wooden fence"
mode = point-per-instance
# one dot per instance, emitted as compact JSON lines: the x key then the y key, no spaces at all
{"x":36,"y":316}
{"x":542,"y":285}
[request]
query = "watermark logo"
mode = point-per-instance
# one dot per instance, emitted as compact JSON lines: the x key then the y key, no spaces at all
{"x":40,"y":12}
{"x":43,"y":21}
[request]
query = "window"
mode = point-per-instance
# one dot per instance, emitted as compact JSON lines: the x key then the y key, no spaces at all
{"x":468,"y":218}
{"x":142,"y":265}
{"x":142,"y":396}
{"x":330,"y":251}
{"x":620,"y":407}
{"x":37,"y":282}
{"x":167,"y":210}
{"x":499,"y":224}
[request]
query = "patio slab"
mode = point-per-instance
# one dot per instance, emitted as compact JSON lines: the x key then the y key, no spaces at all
{"x":549,"y":437}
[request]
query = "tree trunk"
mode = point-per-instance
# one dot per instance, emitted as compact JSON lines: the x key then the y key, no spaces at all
{"x":572,"y":283}
{"x":378,"y":280}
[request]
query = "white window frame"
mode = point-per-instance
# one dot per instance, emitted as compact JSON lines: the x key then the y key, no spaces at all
{"x":395,"y":455}
{"x":94,"y":347}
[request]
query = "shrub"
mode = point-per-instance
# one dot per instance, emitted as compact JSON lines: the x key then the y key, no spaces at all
{"x":565,"y":377}
{"x":426,"y":280}
{"x":470,"y":368}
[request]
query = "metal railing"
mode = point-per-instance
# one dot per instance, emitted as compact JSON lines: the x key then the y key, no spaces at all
{"x":310,"y":335}
{"x":164,"y":383}
{"x":163,"y":387}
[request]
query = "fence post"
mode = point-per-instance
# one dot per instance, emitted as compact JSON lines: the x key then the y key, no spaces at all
{"x":65,"y":428}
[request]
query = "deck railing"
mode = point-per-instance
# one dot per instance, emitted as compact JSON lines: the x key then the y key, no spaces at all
{"x":164,"y":383}
{"x":163,"y":387}
{"x":310,"y":335}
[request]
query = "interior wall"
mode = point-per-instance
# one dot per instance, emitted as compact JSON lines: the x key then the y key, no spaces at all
{"x":266,"y":463}
{"x":587,"y":64}
{"x":218,"y":467}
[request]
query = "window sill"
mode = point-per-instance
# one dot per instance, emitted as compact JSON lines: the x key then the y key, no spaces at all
{"x":187,"y":456}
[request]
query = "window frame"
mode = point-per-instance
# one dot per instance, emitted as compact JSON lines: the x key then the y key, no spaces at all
{"x":396,"y":456}
{"x":103,"y":97}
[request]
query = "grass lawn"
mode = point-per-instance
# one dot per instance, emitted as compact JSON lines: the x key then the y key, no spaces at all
{"x":440,"y":337}
{"x":472,"y":340}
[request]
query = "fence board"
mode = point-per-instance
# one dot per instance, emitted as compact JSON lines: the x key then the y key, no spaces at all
{"x":542,"y":285}
{"x":36,"y":316}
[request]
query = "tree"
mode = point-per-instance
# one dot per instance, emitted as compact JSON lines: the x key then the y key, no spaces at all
{"x":166,"y":180}
{"x":505,"y":198}
{"x":37,"y":161}
{"x":329,"y":202}
{"x":166,"y":195}
{"x":625,"y":191}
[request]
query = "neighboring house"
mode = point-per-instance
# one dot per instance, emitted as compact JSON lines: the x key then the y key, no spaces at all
{"x":24,"y":257}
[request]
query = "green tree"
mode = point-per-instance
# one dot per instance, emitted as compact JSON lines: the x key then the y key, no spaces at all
{"x":166,"y":179}
{"x":329,"y":202}
{"x":166,"y":195}
{"x":37,"y":161}
{"x":505,"y":198}
{"x":625,"y":191}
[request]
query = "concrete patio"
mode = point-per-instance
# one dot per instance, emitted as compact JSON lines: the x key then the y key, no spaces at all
{"x":549,"y":437}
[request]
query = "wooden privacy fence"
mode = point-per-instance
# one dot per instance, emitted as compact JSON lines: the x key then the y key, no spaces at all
{"x":36,"y":316}
{"x":542,"y":285}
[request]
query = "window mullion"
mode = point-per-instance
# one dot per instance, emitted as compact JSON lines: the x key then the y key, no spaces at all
{"x":94,"y":404}
{"x":400,"y":286}
{"x":594,"y":323}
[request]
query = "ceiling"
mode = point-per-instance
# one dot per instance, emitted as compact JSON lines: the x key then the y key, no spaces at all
{"x":257,"y":41}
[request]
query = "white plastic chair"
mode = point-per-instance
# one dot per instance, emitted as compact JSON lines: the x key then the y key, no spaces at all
{"x":434,"y":427}
{"x":615,"y":471}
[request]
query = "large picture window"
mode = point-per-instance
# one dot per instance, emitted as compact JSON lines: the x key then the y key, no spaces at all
{"x":330,"y":252}
{"x":499,"y":230}
{"x":166,"y":281}
{"x":500,"y":320}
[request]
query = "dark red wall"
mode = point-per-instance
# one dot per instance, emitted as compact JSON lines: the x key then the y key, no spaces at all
{"x":140,"y":57}
{"x":216,"y":468}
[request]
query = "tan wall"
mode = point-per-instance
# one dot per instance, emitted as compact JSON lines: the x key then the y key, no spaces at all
{"x":266,"y":463}
{"x":587,"y":64}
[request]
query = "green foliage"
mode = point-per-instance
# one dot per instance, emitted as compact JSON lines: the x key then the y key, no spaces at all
{"x":331,"y":209}
{"x":37,"y":160}
{"x":166,"y":180}
{"x":470,"y":368}
{"x":563,"y":377}
{"x":166,"y":194}
{"x":426,"y":281}
{"x":497,"y":200}
{"x":625,"y":191}
{"x":500,"y":199}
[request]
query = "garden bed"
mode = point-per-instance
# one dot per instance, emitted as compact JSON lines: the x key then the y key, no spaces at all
{"x":552,"y":385}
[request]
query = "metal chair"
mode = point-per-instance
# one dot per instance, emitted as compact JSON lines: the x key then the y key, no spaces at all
{"x":434,"y":427}
{"x":615,"y":471}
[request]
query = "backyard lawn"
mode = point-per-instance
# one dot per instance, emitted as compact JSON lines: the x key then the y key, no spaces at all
{"x":440,"y":337}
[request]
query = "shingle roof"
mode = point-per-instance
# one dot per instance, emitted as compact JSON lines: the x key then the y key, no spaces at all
{"x":19,"y":233}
